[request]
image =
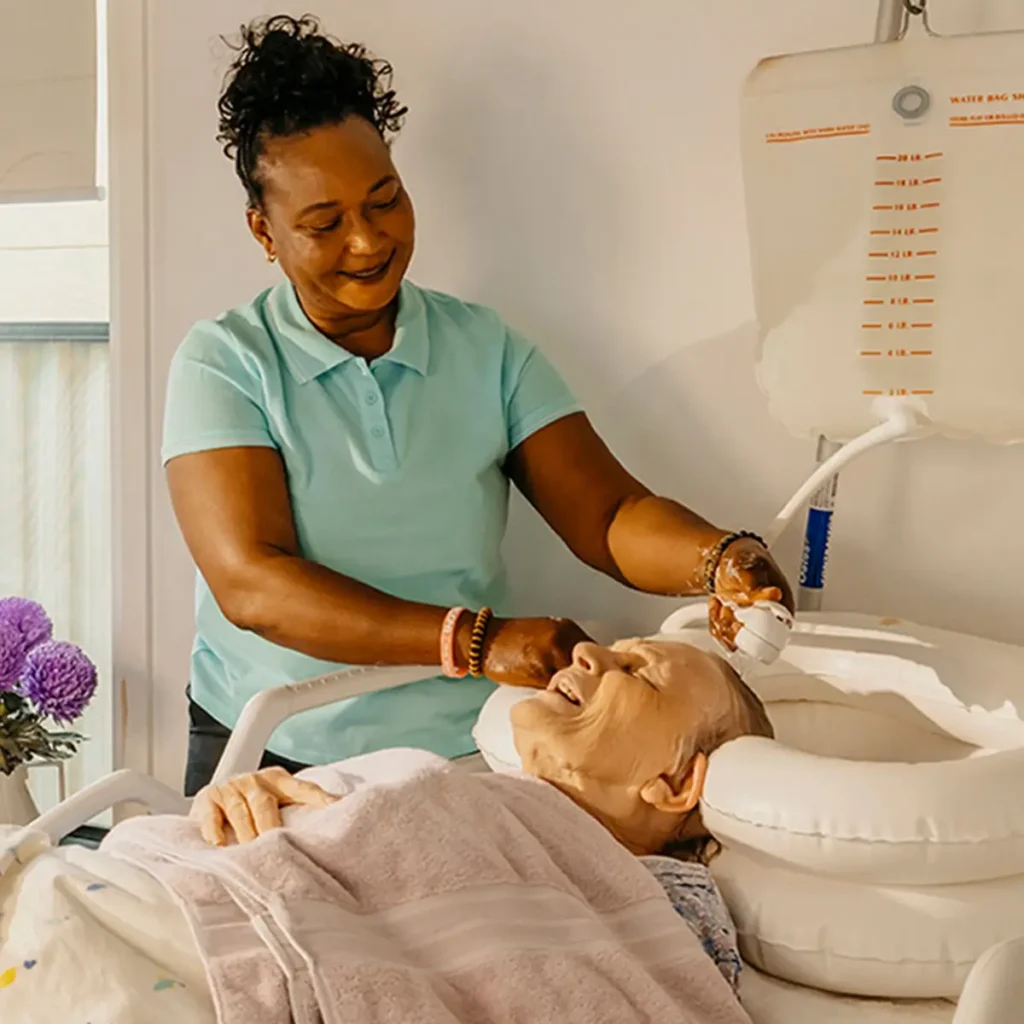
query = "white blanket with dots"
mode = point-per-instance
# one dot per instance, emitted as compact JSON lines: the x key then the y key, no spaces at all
{"x":85,"y":937}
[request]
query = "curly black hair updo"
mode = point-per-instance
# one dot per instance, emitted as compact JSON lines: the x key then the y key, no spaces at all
{"x":289,"y":77}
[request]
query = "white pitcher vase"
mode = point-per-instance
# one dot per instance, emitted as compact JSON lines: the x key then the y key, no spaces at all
{"x":16,"y":804}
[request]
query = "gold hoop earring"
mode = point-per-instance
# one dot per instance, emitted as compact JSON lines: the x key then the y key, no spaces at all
{"x":271,"y":257}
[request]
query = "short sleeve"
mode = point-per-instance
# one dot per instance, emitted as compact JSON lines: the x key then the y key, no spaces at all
{"x":212,"y":398}
{"x":696,"y":899}
{"x":535,"y":393}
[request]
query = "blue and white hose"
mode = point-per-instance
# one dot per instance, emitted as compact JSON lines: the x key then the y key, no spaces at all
{"x":901,"y":419}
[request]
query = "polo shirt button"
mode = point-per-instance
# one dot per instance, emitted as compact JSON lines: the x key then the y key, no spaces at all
{"x":371,"y":399}
{"x":377,"y":432}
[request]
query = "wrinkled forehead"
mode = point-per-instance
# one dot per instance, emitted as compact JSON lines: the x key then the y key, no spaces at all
{"x":679,"y":667}
{"x":669,"y":652}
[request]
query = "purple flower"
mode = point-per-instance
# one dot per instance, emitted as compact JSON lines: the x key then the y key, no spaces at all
{"x":28,"y":618}
{"x":59,"y":679}
{"x":12,"y":656}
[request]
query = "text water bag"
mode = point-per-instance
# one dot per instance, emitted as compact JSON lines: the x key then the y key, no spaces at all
{"x":885,"y":195}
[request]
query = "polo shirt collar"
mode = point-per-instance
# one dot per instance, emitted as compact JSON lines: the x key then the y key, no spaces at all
{"x":412,"y":341}
{"x":308,"y":353}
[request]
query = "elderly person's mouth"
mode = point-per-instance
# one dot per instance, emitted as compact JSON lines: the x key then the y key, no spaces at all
{"x":564,"y":687}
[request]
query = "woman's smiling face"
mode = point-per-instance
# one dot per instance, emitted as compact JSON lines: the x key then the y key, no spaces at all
{"x":618,"y":715}
{"x":336,"y":215}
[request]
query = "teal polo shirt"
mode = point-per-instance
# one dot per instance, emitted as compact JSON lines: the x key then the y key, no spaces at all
{"x":395,"y":475}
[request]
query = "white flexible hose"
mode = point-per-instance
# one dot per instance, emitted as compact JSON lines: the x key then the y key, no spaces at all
{"x":902,"y":420}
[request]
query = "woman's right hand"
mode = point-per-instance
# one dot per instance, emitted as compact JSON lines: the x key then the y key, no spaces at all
{"x":528,"y":652}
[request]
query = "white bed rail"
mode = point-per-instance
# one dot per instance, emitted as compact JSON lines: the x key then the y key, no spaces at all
{"x":125,"y":786}
{"x":259,"y":718}
{"x":267,"y":710}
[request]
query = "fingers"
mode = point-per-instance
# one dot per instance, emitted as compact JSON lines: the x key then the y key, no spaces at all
{"x":775,"y":594}
{"x":531,"y":680}
{"x":780,"y":595}
{"x":210,"y":815}
{"x":290,"y":790}
{"x":714,"y":617}
{"x":250,"y":805}
{"x":263,"y":805}
{"x":236,"y":809}
{"x":748,"y":573}
{"x":535,"y":681}
{"x":722,"y":623}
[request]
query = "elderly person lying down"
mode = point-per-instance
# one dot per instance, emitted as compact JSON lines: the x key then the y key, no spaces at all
{"x":402,"y":889}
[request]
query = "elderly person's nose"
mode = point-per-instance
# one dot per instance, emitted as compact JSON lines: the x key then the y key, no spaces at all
{"x":591,"y":658}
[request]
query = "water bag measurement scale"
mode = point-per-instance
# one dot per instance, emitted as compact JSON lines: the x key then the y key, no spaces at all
{"x":902,"y":274}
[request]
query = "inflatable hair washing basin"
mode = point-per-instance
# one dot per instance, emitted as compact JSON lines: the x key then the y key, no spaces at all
{"x":874,"y":851}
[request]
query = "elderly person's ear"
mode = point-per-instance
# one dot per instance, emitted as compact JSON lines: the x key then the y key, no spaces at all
{"x":681,"y":794}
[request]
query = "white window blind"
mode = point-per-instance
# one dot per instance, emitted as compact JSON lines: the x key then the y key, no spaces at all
{"x":47,"y":100}
{"x":55,"y":533}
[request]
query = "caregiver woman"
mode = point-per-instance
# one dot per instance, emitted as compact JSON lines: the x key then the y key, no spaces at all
{"x":339,"y":449}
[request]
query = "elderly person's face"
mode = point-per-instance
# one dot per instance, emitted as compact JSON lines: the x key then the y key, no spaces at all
{"x":620,"y":730}
{"x":336,"y":215}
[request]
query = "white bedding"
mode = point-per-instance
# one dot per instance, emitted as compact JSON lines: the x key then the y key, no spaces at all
{"x":769,"y":1001}
{"x":86,"y":938}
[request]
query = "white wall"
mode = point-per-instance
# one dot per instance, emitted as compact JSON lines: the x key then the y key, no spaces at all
{"x":576,"y":164}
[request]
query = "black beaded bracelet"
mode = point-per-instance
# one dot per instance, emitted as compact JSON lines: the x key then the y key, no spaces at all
{"x":715,"y":558}
{"x":478,"y":641}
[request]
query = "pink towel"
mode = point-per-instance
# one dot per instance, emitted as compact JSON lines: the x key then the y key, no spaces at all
{"x":442,"y":897}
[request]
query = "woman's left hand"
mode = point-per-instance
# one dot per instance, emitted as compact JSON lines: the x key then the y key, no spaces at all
{"x":746,"y":574}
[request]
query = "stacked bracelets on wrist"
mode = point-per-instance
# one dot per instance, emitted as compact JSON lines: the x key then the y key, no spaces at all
{"x":477,"y":643}
{"x":714,"y":559}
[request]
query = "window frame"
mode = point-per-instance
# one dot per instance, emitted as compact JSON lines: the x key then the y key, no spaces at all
{"x":133,"y":456}
{"x":86,"y":331}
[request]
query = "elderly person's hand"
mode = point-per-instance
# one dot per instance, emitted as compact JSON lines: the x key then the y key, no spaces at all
{"x":250,"y":805}
{"x":746,"y":573}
